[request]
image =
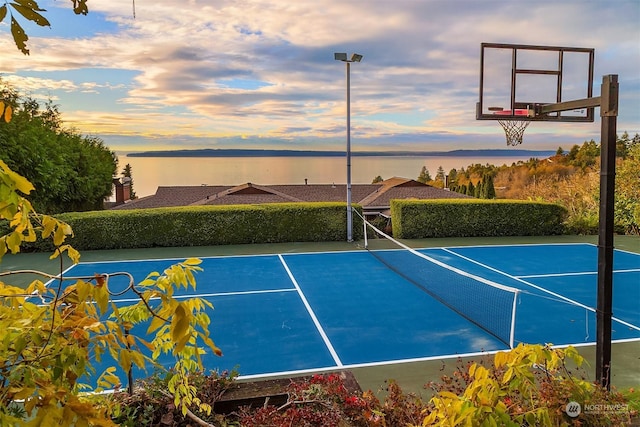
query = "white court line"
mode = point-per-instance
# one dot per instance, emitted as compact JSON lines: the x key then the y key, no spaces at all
{"x":585,"y":273}
{"x":518,"y":245}
{"x":206,"y":257}
{"x":441,"y":358}
{"x":324,"y":336}
{"x":562,"y":297}
{"x":209,"y":295}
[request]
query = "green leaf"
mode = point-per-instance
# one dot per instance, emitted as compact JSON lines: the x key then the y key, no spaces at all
{"x":19,"y":36}
{"x":19,"y":344}
{"x":31,"y":15}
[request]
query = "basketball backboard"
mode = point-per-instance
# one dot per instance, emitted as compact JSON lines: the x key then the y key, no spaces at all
{"x":516,"y":79}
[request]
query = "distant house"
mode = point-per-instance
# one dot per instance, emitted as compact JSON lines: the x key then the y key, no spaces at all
{"x":375,"y":199}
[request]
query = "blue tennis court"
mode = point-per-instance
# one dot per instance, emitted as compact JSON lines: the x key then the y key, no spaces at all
{"x":306,"y":312}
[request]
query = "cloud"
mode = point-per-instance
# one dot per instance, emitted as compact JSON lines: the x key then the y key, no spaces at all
{"x":262,"y":72}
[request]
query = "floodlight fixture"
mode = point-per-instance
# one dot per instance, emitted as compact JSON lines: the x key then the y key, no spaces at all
{"x":341,"y":56}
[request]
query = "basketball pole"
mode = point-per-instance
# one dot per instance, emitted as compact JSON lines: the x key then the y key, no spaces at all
{"x":608,"y":103}
{"x":608,"y":117}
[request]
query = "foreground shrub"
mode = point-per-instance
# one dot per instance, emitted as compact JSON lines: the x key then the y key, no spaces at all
{"x":53,"y":336}
{"x":151,"y":405}
{"x":531,"y":385}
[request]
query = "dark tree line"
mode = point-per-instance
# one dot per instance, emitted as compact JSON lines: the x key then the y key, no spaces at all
{"x":463,"y":181}
{"x":484,"y":189}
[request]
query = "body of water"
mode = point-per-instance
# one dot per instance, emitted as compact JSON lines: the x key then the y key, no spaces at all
{"x":151,"y":172}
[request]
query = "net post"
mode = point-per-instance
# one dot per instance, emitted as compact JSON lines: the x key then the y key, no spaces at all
{"x":364,"y":226}
{"x":512,"y":333}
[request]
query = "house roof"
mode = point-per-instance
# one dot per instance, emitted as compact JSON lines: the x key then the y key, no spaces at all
{"x":373,"y":196}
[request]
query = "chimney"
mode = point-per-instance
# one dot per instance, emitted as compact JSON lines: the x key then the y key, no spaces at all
{"x":123,"y":190}
{"x":305,"y":181}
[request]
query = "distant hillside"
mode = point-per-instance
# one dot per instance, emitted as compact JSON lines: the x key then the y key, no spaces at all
{"x":208,"y":152}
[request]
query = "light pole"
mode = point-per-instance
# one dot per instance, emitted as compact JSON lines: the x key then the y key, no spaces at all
{"x":354,"y":58}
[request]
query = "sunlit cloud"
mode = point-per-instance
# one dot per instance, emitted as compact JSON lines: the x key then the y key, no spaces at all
{"x":261,"y":73}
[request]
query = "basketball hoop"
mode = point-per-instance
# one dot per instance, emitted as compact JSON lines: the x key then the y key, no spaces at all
{"x":513,"y":127}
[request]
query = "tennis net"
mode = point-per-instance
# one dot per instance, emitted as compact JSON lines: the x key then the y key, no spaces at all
{"x":487,"y":304}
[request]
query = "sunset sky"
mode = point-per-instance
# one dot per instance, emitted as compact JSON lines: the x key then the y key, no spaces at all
{"x":261,"y":73}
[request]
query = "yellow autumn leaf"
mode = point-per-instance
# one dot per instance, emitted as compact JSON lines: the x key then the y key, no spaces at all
{"x":500,"y":358}
{"x":155,"y":324}
{"x":124,"y":358}
{"x":138,"y":359}
{"x":131,"y":340}
{"x":58,"y":236}
{"x":181,"y":343}
{"x":180,"y":323}
{"x":48,"y":225}
{"x":448,"y":395}
{"x":81,"y":408}
{"x":22,"y":184}
{"x":147,"y":344}
{"x":101,"y":295}
{"x":8,"y":112}
{"x":21,"y":393}
{"x":13,"y":241}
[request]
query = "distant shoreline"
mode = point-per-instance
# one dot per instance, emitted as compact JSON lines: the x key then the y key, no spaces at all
{"x":310,"y":153}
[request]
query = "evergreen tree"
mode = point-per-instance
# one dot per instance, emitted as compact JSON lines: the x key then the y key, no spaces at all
{"x":477,"y":192}
{"x":424,"y":176}
{"x":440,"y":174}
{"x":573,"y":153}
{"x":453,"y":179}
{"x":489,"y":189}
{"x":471,"y":189}
{"x":126,"y":172}
{"x":622,"y":145}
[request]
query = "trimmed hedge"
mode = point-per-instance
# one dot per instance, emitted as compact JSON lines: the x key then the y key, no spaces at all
{"x":300,"y":222}
{"x":208,"y":226}
{"x":416,"y":219}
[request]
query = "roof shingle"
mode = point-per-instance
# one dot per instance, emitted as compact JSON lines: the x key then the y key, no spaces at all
{"x":368,"y":195}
